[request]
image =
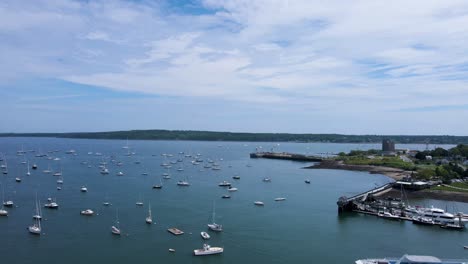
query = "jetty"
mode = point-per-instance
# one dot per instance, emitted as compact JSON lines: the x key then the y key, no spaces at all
{"x":285,"y":156}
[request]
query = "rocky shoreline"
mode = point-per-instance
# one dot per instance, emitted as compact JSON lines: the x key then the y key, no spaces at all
{"x":396,"y":174}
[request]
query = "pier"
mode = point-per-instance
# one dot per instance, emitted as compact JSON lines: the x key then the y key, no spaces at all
{"x":285,"y":156}
{"x":350,"y":203}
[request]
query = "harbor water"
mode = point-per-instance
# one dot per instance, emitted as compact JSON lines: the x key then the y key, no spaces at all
{"x":304,"y":228}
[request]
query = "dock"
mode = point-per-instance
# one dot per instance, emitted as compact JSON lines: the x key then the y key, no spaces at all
{"x":350,"y":203}
{"x":175,"y":231}
{"x":285,"y":156}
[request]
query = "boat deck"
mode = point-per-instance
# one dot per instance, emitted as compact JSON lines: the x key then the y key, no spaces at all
{"x":175,"y":231}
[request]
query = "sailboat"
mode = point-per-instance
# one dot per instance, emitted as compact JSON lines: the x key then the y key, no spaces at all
{"x":48,"y":169}
{"x":213,"y":226}
{"x":28,"y":173}
{"x":36,"y":227}
{"x":3,"y":212}
{"x":158,"y":186}
{"x":149,"y":218}
{"x":126,"y":146}
{"x":139,"y":202}
{"x":106,"y":201}
{"x":38,"y":214}
{"x":115,"y":229}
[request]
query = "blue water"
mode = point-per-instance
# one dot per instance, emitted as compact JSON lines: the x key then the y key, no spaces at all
{"x":303,"y":229}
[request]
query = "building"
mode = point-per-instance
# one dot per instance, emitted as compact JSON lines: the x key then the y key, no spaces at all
{"x":388,"y":145}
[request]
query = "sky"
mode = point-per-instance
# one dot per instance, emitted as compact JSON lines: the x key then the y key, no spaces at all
{"x":295,"y":66}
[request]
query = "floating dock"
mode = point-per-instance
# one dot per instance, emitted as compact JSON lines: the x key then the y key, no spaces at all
{"x":175,"y":231}
{"x":285,"y":156}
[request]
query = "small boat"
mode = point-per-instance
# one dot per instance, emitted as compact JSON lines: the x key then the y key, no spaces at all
{"x":59,"y":188}
{"x":157,"y":186}
{"x":18,"y":179}
{"x":8,"y":203}
{"x":410,"y":259}
{"x":171,"y":250}
{"x":236,"y":177}
{"x":183,"y":183}
{"x":266,"y":179}
{"x":208,"y":250}
{"x":422,"y":221}
{"x":84,"y":189}
{"x":51,"y":204}
{"x":149,"y":218}
{"x":115,"y":229}
{"x":453,"y":226}
{"x":205,"y":235}
{"x":35,"y":228}
{"x":104,"y":171}
{"x":3,"y":212}
{"x":232,"y":189}
{"x":224,"y":184}
{"x":120,"y":173}
{"x":34,"y":167}
{"x":307,"y":181}
{"x":226,"y":196}
{"x":280,"y":199}
{"x":388,"y":215}
{"x":60,"y":181}
{"x":87,"y":212}
{"x":259,"y":203}
{"x":465,"y":247}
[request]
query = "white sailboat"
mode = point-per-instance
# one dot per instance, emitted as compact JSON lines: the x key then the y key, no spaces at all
{"x":38,"y":214}
{"x":214,"y":226}
{"x":115,"y":229}
{"x":149,"y":218}
{"x":139,"y":201}
{"x":28,"y":173}
{"x":36,"y":227}
{"x":3,"y":212}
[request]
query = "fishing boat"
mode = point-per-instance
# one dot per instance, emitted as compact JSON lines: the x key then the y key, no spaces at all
{"x":214,"y":226}
{"x":208,"y":250}
{"x":410,"y":259}
{"x":205,"y":235}
{"x":149,"y":218}
{"x":88,"y":212}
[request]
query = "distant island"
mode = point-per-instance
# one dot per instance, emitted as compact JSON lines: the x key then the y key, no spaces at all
{"x":239,"y":136}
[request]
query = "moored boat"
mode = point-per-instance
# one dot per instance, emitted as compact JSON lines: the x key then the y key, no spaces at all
{"x":208,"y":250}
{"x":410,"y":259}
{"x":205,"y":235}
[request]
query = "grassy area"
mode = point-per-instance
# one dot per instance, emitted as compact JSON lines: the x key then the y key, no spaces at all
{"x":449,"y":189}
{"x":393,"y":162}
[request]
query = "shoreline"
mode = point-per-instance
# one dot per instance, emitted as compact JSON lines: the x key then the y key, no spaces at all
{"x":395,"y":174}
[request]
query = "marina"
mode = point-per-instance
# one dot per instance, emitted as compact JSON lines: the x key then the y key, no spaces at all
{"x":249,"y":216}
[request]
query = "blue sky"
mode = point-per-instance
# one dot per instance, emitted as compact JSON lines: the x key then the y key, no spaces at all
{"x":353,"y":67}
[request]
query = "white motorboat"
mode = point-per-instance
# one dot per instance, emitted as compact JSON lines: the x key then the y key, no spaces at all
{"x":3,"y":212}
{"x":51,"y":204}
{"x":232,"y":189}
{"x":183,"y":183}
{"x":208,"y":250}
{"x":60,"y":181}
{"x":205,"y":235}
{"x":87,"y":212}
{"x":104,"y":171}
{"x":280,"y":199}
{"x":8,"y":203}
{"x":83,"y":189}
{"x":259,"y":203}
{"x":266,"y":179}
{"x":438,"y":215}
{"x":388,"y":215}
{"x":120,"y":173}
{"x":18,"y":179}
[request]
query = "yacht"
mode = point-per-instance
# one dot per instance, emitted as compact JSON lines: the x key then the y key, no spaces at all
{"x":407,"y":259}
{"x":438,"y":215}
{"x":208,"y":250}
{"x":226,"y":196}
{"x":115,"y":229}
{"x":205,"y":235}
{"x":419,"y":220}
{"x":87,"y":212}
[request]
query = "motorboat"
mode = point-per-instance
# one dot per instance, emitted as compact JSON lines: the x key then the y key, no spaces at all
{"x":226,"y":196}
{"x":157,"y":186}
{"x":205,"y":235}
{"x":388,"y":215}
{"x":259,"y":203}
{"x":307,"y":181}
{"x":120,"y":173}
{"x":232,"y":189}
{"x":83,"y":189}
{"x":224,"y":184}
{"x":35,"y":228}
{"x":34,"y":167}
{"x":104,"y":171}
{"x":280,"y":199}
{"x":422,"y":221}
{"x":183,"y":183}
{"x":266,"y":179}
{"x":208,"y":250}
{"x":407,"y":259}
{"x":18,"y":179}
{"x":51,"y":204}
{"x":3,"y":212}
{"x":236,"y":177}
{"x":87,"y":212}
{"x":60,"y":181}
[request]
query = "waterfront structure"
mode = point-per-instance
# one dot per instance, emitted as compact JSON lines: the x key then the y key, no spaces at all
{"x":388,"y":147}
